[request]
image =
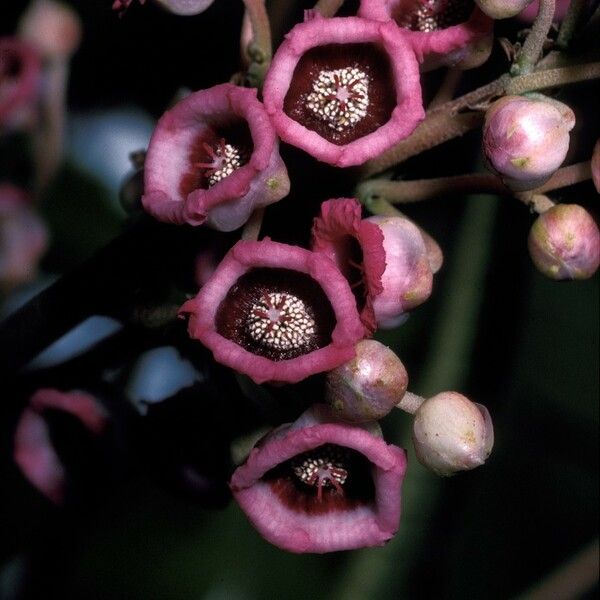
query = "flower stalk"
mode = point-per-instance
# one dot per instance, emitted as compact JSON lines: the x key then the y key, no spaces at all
{"x":533,"y":45}
{"x":570,"y":23}
{"x":259,"y":51}
{"x":328,"y":8}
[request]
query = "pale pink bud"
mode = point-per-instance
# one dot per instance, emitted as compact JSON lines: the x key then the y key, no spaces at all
{"x":451,"y":433}
{"x":525,"y":140}
{"x":502,"y":9}
{"x":185,"y":7}
{"x":53,"y":28}
{"x":564,"y":243}
{"x":369,"y":386}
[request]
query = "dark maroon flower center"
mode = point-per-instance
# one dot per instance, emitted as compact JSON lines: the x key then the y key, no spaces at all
{"x":432,"y":15}
{"x":215,"y":154}
{"x":330,"y":477}
{"x":342,"y":91}
{"x":276,"y":313}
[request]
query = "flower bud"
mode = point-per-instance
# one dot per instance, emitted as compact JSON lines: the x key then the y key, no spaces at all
{"x":451,"y":433}
{"x":525,"y":140}
{"x":564,"y":243}
{"x":369,"y":386}
{"x":53,"y":28}
{"x":502,"y":9}
{"x":185,"y":7}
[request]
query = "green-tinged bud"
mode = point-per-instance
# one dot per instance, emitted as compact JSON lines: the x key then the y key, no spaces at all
{"x":451,"y":433}
{"x":502,"y":9}
{"x":564,"y":243}
{"x":369,"y":386}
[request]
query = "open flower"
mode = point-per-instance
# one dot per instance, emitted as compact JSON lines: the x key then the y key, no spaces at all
{"x":276,"y":313}
{"x":444,"y":32}
{"x":384,"y":258}
{"x":319,"y":485}
{"x":19,"y":81}
{"x":33,"y":451}
{"x":345,"y":89}
{"x":23,"y":237}
{"x":213,"y":158}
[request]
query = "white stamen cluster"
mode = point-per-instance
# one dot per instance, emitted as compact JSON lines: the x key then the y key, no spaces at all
{"x":340,"y":97}
{"x":438,"y":14}
{"x":280,"y":321}
{"x":228,"y":159}
{"x":323,"y":467}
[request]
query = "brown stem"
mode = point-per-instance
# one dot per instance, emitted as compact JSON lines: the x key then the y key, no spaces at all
{"x":447,"y":89}
{"x":532,"y":48}
{"x":549,"y":78}
{"x":418,"y":190}
{"x":436,"y":129}
{"x":328,"y":8}
{"x":260,"y":50}
{"x":570,"y":23}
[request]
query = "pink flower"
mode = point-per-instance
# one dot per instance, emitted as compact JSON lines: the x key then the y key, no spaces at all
{"x":319,"y":485}
{"x":23,"y":237}
{"x":276,"y":313}
{"x":345,"y":89}
{"x":213,"y":158}
{"x":19,"y":81}
{"x":33,"y":451}
{"x":384,"y":257}
{"x":444,"y":32}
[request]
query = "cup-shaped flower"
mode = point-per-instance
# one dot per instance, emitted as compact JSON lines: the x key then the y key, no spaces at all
{"x":20,"y":72}
{"x":276,"y":313}
{"x":344,"y":89}
{"x":213,"y":158}
{"x":525,"y":140}
{"x":33,"y":450}
{"x":443,"y":32}
{"x":384,"y":258}
{"x":451,"y":433}
{"x":319,"y":485}
{"x":564,"y":243}
{"x":23,"y":237}
{"x":185,"y":7}
{"x":367,"y":387}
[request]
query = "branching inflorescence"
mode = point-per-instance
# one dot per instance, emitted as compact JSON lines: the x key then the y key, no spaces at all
{"x":348,"y":92}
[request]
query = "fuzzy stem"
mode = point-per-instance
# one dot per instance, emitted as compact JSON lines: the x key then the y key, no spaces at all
{"x":447,"y":89}
{"x":570,"y":23}
{"x":445,"y":122}
{"x":410,"y":403}
{"x":418,"y":190}
{"x":328,"y":8}
{"x":252,"y":227}
{"x":538,"y":203}
{"x":259,"y":51}
{"x":532,"y":48}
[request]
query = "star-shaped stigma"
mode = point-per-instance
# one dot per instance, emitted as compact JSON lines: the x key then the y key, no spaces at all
{"x":340,"y":97}
{"x":224,"y":160}
{"x":280,"y":321}
{"x":431,"y":15}
{"x":323,"y":467}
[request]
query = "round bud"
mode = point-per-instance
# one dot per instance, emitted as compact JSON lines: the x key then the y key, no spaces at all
{"x":185,"y":7}
{"x":525,"y":140}
{"x":451,"y":433}
{"x":502,"y":9}
{"x":53,"y":28}
{"x":367,"y":387}
{"x":564,"y":243}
